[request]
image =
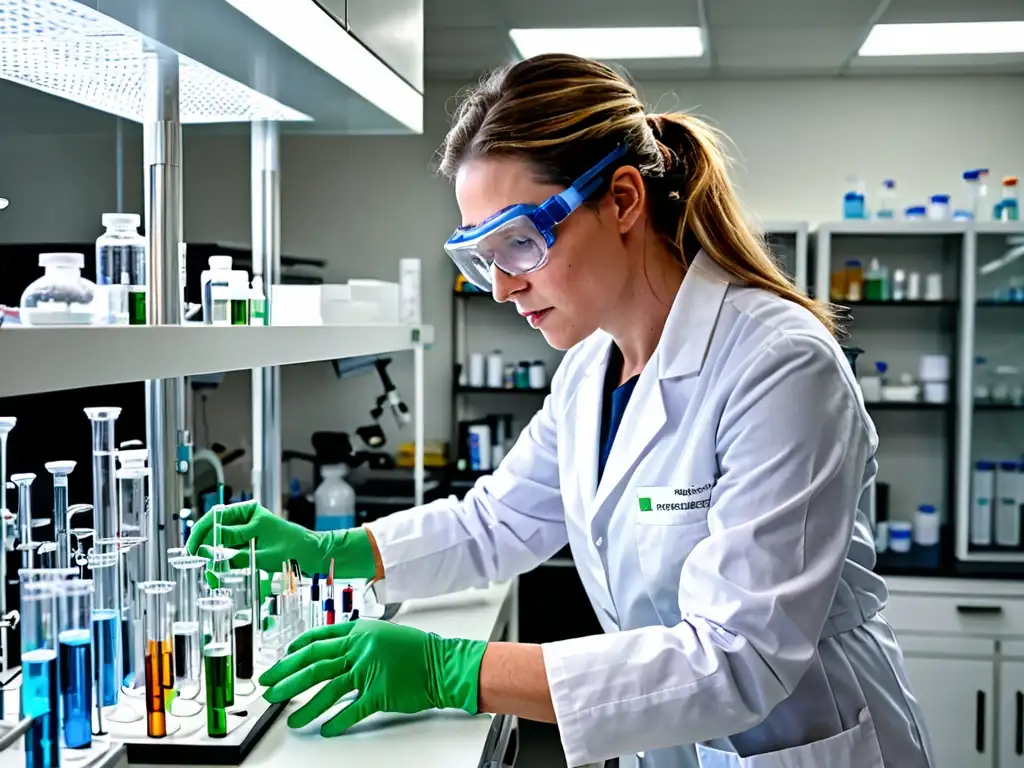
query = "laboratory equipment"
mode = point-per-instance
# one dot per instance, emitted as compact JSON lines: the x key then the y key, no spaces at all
{"x":239,"y":582}
{"x":121,"y":271}
{"x":229,"y":687}
{"x":887,"y":200}
{"x":854,"y":206}
{"x":238,"y":297}
{"x":538,"y":375}
{"x":347,"y":601}
{"x":933,"y":286}
{"x":156,"y":596}
{"x":316,"y":607}
{"x":477,"y":375}
{"x":24,"y":483}
{"x":938,"y":208}
{"x":215,"y":613}
{"x":7,"y":423}
{"x":334,"y":500}
{"x":899,"y":285}
{"x":409,"y":289}
{"x":982,"y":503}
{"x":915,"y":213}
{"x":914,"y":286}
{"x":976,"y":194}
{"x":189,"y":586}
{"x":854,"y":280}
{"x":523,"y":375}
{"x":1007,"y":505}
{"x":106,"y":629}
{"x":104,"y":491}
{"x":926,"y":526}
{"x":60,"y":471}
{"x":46,"y":554}
{"x":494,"y":369}
{"x":874,"y":289}
{"x":480,"y":451}
{"x":61,"y":296}
{"x":134,"y":543}
{"x":74,"y":604}
{"x":257,"y":302}
{"x":900,"y":536}
{"x":39,"y":686}
{"x":215,"y":285}
{"x":1009,"y":204}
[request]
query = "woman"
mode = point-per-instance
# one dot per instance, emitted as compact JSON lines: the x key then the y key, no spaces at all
{"x":704,"y":451}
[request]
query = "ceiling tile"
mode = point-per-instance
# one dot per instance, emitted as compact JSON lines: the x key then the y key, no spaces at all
{"x":791,"y":14}
{"x":909,"y":11}
{"x":786,"y":49}
{"x":598,"y":13}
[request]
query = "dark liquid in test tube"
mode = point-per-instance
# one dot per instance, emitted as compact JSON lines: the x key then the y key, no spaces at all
{"x":243,"y":650}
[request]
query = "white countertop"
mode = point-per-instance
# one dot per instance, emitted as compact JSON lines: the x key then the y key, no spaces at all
{"x":429,"y":740}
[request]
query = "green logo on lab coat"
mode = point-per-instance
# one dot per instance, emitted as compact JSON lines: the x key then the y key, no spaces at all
{"x":645,"y":505}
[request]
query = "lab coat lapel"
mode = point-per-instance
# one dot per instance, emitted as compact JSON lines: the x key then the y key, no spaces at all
{"x":681,"y":352}
{"x":588,"y":423}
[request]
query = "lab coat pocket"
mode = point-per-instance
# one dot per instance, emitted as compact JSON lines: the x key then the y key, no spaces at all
{"x":855,"y":748}
{"x":664,"y":539}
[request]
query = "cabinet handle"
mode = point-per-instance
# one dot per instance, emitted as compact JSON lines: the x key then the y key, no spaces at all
{"x":980,"y":610}
{"x":1019,"y":742}
{"x":979,"y":724}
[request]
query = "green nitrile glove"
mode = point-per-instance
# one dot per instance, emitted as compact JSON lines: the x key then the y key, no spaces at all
{"x":394,"y":668}
{"x":279,"y":541}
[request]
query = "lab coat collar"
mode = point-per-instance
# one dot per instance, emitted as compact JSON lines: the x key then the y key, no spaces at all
{"x":691,"y":321}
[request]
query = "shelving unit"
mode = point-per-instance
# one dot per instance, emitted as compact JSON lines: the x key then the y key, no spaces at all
{"x":789,"y":240}
{"x":927,"y":461}
{"x":166,"y":64}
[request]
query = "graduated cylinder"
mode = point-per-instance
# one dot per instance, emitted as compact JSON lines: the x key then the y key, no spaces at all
{"x":74,"y":608}
{"x":188,"y":580}
{"x":157,"y":596}
{"x":39,"y":674}
{"x":216,"y":617}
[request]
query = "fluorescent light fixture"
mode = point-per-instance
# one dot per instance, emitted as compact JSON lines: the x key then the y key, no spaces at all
{"x":67,"y":49}
{"x":612,"y":42}
{"x":944,"y":39}
{"x":4,"y":202}
{"x":310,"y":31}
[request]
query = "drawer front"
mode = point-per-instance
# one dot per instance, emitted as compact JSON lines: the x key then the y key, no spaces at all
{"x":956,"y":615}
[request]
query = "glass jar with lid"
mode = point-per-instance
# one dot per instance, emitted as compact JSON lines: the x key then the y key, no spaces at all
{"x":61,"y":296}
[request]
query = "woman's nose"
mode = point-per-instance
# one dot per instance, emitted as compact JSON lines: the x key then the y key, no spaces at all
{"x":503,"y":285}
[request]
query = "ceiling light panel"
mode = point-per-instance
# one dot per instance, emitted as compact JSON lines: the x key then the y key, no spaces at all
{"x":612,"y":42}
{"x":69,"y":50}
{"x":945,"y":39}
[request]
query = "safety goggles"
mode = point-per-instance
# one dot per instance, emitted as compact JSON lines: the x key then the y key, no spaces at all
{"x":516,"y":239}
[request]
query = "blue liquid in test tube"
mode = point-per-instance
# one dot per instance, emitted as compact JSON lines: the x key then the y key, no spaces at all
{"x":39,"y":701}
{"x":76,"y":686}
{"x":108,"y":671}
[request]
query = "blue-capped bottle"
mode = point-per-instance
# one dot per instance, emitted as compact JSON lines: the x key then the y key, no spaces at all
{"x":976,"y":202}
{"x":887,"y":200}
{"x":854,"y":205}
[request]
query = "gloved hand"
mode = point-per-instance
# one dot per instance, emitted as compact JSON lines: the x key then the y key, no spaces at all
{"x":394,"y":668}
{"x":278,"y":541}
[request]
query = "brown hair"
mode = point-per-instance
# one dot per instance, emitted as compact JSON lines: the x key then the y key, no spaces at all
{"x":564,"y":113}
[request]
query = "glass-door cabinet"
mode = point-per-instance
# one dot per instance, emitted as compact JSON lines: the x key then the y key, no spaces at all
{"x":990,"y":460}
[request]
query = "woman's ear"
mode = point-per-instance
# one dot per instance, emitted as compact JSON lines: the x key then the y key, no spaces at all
{"x":628,"y":196}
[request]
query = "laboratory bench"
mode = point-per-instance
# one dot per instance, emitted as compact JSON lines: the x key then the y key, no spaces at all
{"x":429,"y":740}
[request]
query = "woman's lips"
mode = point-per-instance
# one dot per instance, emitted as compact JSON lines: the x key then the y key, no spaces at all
{"x":537,"y":317}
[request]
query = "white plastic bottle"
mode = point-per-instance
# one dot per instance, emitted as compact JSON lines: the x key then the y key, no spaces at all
{"x":121,"y":271}
{"x":982,"y":492}
{"x":215,"y":282}
{"x":334,"y":500}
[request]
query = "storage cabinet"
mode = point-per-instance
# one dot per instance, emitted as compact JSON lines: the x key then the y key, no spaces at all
{"x":956,"y":696}
{"x":963,"y":641}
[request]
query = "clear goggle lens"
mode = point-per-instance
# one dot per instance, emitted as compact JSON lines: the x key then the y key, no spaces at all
{"x":516,"y":247}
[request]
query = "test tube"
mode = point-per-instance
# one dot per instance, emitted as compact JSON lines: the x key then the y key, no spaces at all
{"x":239,"y":583}
{"x":60,"y":471}
{"x":216,"y":617}
{"x":39,"y":675}
{"x":104,"y":492}
{"x":106,"y":628}
{"x":7,"y":423}
{"x":229,"y":687}
{"x":24,"y":483}
{"x":74,"y":603}
{"x":188,"y":579}
{"x":159,"y":654}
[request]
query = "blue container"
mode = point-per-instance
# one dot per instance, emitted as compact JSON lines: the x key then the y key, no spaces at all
{"x":853,"y":206}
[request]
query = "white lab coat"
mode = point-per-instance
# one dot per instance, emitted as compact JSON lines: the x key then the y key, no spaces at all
{"x":740,"y":610}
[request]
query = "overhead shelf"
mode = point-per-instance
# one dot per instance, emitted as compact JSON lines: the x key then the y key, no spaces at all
{"x":50,"y":359}
{"x":894,"y":227}
{"x":289,"y":61}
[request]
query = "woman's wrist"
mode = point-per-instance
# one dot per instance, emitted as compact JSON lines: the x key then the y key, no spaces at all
{"x":514,"y":681}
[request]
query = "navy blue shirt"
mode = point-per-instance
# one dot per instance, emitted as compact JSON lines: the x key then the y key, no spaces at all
{"x":613,"y":406}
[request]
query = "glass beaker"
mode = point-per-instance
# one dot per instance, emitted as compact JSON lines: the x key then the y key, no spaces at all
{"x":189,"y":586}
{"x":39,"y":692}
{"x":216,"y":618}
{"x":104,"y":492}
{"x":74,"y":610}
{"x":24,"y":483}
{"x":106,"y":629}
{"x":159,"y":654}
{"x":60,"y":471}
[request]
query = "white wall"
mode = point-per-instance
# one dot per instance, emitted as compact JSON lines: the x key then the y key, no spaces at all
{"x":363,"y":203}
